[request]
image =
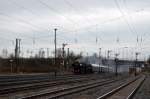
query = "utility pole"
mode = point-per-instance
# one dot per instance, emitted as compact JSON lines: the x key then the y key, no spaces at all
{"x":55,"y":45}
{"x":16,"y":49}
{"x":11,"y":65}
{"x":19,"y":47}
{"x":87,"y":57}
{"x":55,"y":42}
{"x":136,"y":60}
{"x":17,"y":52}
{"x":108,"y":53}
{"x":68,"y":55}
{"x":116,"y":61}
{"x":100,"y":69}
{"x":63,"y":54}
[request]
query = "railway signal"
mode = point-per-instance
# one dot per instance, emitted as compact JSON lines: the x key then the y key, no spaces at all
{"x":108,"y":55}
{"x":136,"y":59}
{"x":116,"y":61}
{"x":63,"y":54}
{"x":100,"y":69}
{"x":55,"y":42}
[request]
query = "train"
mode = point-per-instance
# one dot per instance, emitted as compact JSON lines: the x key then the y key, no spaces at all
{"x":82,"y":68}
{"x":86,"y":68}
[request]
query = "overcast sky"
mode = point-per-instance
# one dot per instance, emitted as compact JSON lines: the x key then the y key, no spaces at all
{"x":86,"y":25}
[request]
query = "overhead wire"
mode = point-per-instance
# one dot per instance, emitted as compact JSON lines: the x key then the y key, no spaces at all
{"x":76,"y":10}
{"x":21,"y":20}
{"x":141,"y":41}
{"x":56,"y":11}
{"x":132,"y":30}
{"x":26,"y":22}
{"x":59,"y":13}
{"x":29,"y":11}
{"x":130,"y":26}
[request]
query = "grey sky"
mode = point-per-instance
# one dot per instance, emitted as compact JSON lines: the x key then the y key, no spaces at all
{"x":79,"y":23}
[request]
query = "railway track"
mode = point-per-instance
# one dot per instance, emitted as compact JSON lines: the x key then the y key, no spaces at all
{"x":11,"y":89}
{"x":60,"y":92}
{"x":125,"y":91}
{"x":74,"y":85}
{"x":20,"y":79}
{"x":6,"y":81}
{"x":21,"y":88}
{"x":31,"y":80}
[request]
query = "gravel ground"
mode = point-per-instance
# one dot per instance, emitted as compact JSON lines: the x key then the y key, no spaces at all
{"x":144,"y":90}
{"x":90,"y":94}
{"x":50,"y":88}
{"x":95,"y":92}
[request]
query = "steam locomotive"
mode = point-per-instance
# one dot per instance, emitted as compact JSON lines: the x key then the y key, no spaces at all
{"x":82,"y":68}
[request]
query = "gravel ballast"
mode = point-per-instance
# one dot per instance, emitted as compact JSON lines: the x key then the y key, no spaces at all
{"x":144,"y":90}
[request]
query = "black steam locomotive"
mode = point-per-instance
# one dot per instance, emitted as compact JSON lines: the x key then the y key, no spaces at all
{"x":82,"y":68}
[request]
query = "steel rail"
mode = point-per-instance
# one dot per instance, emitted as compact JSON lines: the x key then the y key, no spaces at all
{"x":67,"y":91}
{"x":41,"y":85}
{"x":114,"y":91}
